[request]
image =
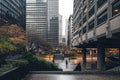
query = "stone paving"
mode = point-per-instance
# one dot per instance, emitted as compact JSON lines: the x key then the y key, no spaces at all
{"x":71,"y":77}
{"x":67,"y":75}
{"x":62,"y":64}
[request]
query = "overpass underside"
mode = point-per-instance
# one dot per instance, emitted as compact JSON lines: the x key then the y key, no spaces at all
{"x":101,"y":44}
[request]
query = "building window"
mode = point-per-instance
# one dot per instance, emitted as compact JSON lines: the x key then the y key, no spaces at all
{"x":116,"y":7}
{"x":84,"y":19}
{"x":100,"y":3}
{"x":91,"y":2}
{"x":80,"y":24}
{"x":84,"y":2}
{"x":85,"y":10}
{"x":102,"y":17}
{"x":84,"y":30}
{"x":80,"y":33}
{"x":91,"y":25}
{"x":76,"y":33}
{"x":91,"y":12}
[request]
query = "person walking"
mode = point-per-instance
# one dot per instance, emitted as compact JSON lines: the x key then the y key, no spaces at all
{"x":53,"y":60}
{"x":66,"y":62}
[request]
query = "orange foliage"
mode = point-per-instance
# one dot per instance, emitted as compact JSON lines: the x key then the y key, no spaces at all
{"x":12,"y":31}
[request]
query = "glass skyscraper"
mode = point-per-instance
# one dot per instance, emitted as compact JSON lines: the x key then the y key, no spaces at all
{"x":53,"y":22}
{"x":13,"y":12}
{"x":36,"y":18}
{"x":42,"y":20}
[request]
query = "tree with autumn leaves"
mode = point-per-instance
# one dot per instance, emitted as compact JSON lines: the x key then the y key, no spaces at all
{"x":14,"y":34}
{"x":12,"y":38}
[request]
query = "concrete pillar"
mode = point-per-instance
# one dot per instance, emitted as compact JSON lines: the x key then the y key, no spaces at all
{"x":101,"y":58}
{"x":83,"y":59}
{"x":119,"y":55}
{"x":91,"y":56}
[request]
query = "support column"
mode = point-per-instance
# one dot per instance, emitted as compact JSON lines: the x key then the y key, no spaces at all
{"x":101,"y":58}
{"x":83,"y":59}
{"x":119,"y":55}
{"x":91,"y":56}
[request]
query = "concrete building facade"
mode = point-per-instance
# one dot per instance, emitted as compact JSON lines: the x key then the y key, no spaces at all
{"x":70,"y":26}
{"x":96,"y":25}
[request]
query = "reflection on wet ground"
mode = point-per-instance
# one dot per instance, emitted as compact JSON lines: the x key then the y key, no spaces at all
{"x":71,"y":77}
{"x":66,"y":67}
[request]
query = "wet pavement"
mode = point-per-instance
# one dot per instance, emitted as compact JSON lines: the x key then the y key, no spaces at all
{"x":71,"y":77}
{"x":66,"y":67}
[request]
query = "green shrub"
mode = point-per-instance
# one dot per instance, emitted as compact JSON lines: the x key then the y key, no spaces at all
{"x":39,"y":64}
{"x":48,"y":65}
{"x":30,"y":57}
{"x":20,"y":63}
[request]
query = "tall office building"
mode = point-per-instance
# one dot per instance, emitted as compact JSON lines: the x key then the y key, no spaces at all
{"x":94,"y":19}
{"x":36,"y":18}
{"x":96,"y":25}
{"x":66,"y":32}
{"x":42,"y":20}
{"x":60,"y":30}
{"x":13,"y":12}
{"x":70,"y":26}
{"x":53,"y":23}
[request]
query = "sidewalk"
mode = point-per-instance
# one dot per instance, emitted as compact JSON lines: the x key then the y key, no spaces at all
{"x":62,"y":64}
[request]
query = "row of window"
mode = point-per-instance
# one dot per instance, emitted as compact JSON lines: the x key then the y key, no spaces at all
{"x":103,"y":16}
{"x":115,"y":7}
{"x":12,"y":11}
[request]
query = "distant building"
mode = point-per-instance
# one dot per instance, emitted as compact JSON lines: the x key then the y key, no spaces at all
{"x":43,"y":20}
{"x":13,"y":12}
{"x":60,"y":29}
{"x":66,"y":32}
{"x":70,"y":26}
{"x":36,"y":18}
{"x":53,"y":22}
{"x":53,"y":32}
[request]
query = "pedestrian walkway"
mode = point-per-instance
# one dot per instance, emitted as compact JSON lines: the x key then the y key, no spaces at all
{"x":66,"y":67}
{"x":72,"y":77}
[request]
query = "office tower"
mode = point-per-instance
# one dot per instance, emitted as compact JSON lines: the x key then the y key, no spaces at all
{"x":53,"y":23}
{"x":13,"y":12}
{"x":36,"y":18}
{"x":96,"y":25}
{"x":42,"y":20}
{"x":60,"y":30}
{"x":95,"y":19}
{"x":70,"y":23}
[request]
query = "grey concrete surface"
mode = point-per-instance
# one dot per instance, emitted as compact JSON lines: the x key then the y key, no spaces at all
{"x":62,"y":64}
{"x":72,"y":77}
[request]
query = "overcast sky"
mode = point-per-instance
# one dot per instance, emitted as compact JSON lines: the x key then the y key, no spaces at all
{"x":65,"y":9}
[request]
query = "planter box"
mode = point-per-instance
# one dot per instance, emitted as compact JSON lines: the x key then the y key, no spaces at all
{"x":14,"y":74}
